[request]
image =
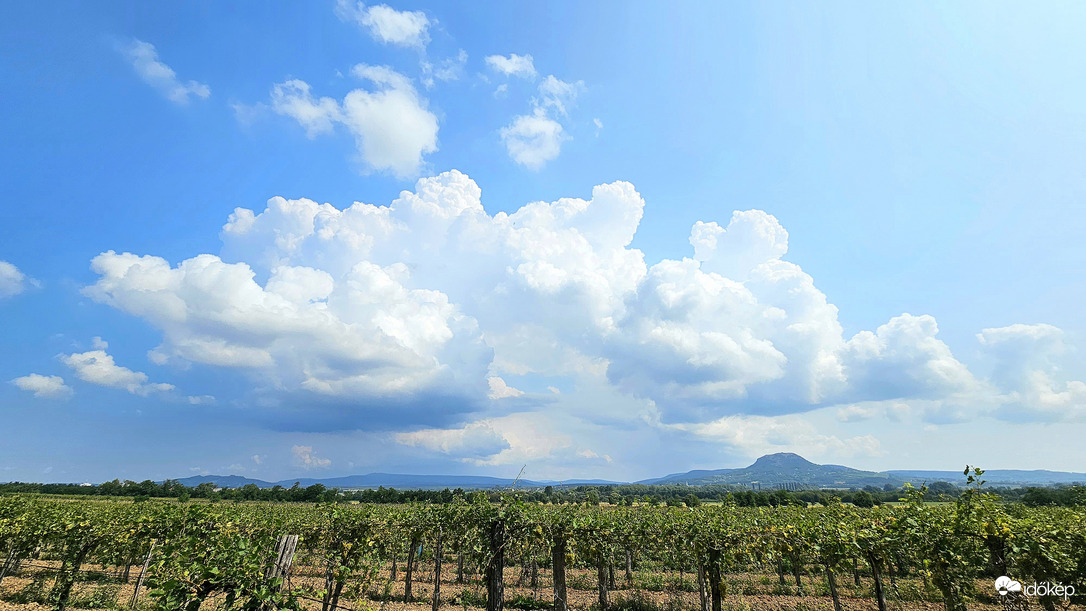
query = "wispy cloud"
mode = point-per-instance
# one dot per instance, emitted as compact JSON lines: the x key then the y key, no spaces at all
{"x":144,"y":59}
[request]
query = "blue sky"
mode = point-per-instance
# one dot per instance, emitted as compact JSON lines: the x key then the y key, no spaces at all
{"x":610,"y":240}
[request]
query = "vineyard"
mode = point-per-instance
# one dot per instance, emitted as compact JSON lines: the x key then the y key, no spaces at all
{"x":472,"y":552}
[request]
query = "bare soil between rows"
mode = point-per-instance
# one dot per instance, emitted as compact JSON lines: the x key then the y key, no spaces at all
{"x":745,"y":593}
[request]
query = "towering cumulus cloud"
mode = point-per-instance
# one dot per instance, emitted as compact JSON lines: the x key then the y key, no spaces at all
{"x":388,"y":307}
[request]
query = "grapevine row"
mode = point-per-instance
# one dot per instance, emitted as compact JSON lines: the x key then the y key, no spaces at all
{"x":196,"y":552}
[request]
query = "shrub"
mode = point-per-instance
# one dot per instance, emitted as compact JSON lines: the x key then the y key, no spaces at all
{"x":521,"y":601}
{"x":581,"y":582}
{"x":471,"y":598}
{"x":863,"y":499}
{"x":653,"y":582}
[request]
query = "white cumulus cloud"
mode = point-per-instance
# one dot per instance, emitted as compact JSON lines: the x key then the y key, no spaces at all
{"x":385,"y":307}
{"x":593,"y":455}
{"x":1030,"y":372}
{"x":514,"y":65}
{"x":46,"y":387}
{"x":385,"y":24}
{"x":13,"y":281}
{"x":904,"y":358}
{"x":366,"y":334}
{"x":533,"y":140}
{"x":500,"y":390}
{"x":293,"y":99}
{"x":391,"y":124}
{"x":98,"y":367}
{"x":144,"y":59}
{"x":306,"y":458}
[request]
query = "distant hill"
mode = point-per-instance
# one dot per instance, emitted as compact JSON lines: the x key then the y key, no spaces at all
{"x":996,"y":477}
{"x":580,"y":482}
{"x":784,"y":468}
{"x":370,"y":480}
{"x":222,"y":481}
{"x":392,"y":480}
{"x":770,"y":471}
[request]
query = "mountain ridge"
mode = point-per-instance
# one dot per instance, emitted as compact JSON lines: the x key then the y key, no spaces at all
{"x":782,"y":469}
{"x":368,"y":480}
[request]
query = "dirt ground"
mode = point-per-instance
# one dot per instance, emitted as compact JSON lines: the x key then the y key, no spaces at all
{"x":744,"y":593}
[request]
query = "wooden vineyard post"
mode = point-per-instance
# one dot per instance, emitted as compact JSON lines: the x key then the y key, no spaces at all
{"x":495,"y":586}
{"x":601,"y":580}
{"x":558,"y":565}
{"x":437,"y":572}
{"x":139,"y":580}
{"x":715,"y":592}
{"x":459,"y":564}
{"x":284,"y":558}
{"x":412,"y":550}
{"x":10,"y":565}
{"x":611,"y":572}
{"x":703,"y":587}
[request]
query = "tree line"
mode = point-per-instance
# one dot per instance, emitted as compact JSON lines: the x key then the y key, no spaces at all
{"x":622,"y":494}
{"x":194,"y":552}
